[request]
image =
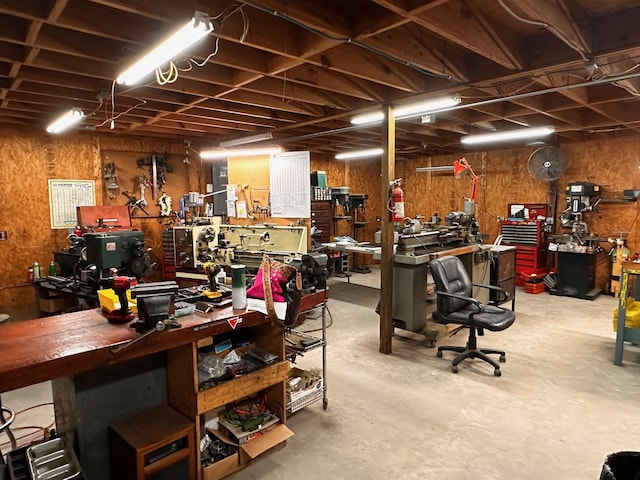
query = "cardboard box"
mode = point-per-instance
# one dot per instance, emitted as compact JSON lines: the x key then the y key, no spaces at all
{"x":224,"y":467}
{"x":269,"y":439}
{"x":56,"y":304}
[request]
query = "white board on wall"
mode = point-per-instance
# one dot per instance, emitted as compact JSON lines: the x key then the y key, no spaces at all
{"x":290,"y":182}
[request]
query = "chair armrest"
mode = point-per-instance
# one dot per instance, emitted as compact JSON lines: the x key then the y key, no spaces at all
{"x":502,"y":292}
{"x":471,"y":300}
{"x":490,"y":287}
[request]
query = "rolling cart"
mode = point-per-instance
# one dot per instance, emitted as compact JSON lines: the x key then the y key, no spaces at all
{"x":298,"y":343}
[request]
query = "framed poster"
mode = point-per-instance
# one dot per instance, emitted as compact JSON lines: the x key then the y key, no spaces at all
{"x":65,"y":196}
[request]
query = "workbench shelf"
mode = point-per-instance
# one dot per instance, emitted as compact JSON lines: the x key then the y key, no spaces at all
{"x":183,"y":387}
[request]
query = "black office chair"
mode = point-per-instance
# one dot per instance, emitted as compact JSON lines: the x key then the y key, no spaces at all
{"x":456,"y":305}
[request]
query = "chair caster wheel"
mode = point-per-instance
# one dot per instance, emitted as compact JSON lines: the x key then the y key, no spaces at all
{"x":503,"y":358}
{"x":497,"y":372}
{"x":454,"y":368}
{"x":439,"y":354}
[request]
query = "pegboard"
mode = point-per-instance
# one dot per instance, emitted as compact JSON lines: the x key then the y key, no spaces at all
{"x":133,"y":169}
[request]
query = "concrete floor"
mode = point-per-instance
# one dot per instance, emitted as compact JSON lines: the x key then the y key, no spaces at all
{"x":558,"y":409}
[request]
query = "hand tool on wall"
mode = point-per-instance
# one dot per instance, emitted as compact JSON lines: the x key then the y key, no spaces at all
{"x":133,"y":203}
{"x":165,"y":202}
{"x":158,"y":168}
{"x":144,"y":184}
{"x":111,"y":180}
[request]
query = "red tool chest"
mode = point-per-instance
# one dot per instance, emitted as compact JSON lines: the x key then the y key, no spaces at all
{"x":529,"y":239}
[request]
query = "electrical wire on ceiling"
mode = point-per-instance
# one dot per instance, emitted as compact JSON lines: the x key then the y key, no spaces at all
{"x":223,"y":16}
{"x":350,"y":41}
{"x":567,"y":71}
{"x":172,"y":74}
{"x":551,"y":28}
{"x":113,"y":118}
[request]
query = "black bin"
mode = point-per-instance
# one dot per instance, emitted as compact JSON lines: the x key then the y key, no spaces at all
{"x":621,"y":466}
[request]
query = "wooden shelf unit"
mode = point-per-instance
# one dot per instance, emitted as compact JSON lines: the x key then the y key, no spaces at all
{"x":182,"y":377}
{"x":322,"y":217}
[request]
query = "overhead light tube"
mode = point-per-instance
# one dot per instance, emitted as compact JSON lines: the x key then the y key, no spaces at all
{"x":240,"y":152}
{"x":443,"y":168}
{"x":197,"y":28}
{"x":66,"y":121}
{"x":411,"y":110}
{"x":371,"y":152}
{"x":533,"y":132}
{"x":418,"y":109}
{"x":245,"y":140}
{"x":365,"y":118}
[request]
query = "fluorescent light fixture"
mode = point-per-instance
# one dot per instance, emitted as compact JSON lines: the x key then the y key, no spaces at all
{"x":411,"y":110}
{"x":371,"y":152}
{"x":521,"y":133}
{"x":443,"y":168}
{"x":66,"y":121}
{"x":420,"y":108}
{"x":244,"y":140}
{"x":241,"y":152}
{"x":371,"y":117}
{"x":198,"y":27}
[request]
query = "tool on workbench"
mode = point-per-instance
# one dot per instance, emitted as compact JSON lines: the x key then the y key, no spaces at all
{"x":159,"y":327}
{"x":212,"y":270}
{"x":155,"y":304}
{"x":120,"y":285}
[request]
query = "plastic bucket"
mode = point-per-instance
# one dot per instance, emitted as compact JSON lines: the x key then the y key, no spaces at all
{"x":621,"y":466}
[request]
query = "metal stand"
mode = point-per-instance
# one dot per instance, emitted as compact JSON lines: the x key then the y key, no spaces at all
{"x":315,"y":394}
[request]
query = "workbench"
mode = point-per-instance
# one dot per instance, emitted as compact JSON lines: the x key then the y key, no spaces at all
{"x":94,"y":387}
{"x":411,"y":305}
{"x":364,"y":248}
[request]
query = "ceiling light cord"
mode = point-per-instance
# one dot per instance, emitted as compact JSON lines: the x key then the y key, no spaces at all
{"x":169,"y":77}
{"x":551,"y":28}
{"x":349,"y":40}
{"x":224,"y":15}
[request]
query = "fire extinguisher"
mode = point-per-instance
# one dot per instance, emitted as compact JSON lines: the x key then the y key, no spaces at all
{"x":396,"y":201}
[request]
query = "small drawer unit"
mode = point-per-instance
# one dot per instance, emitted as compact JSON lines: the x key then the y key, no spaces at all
{"x":158,"y":443}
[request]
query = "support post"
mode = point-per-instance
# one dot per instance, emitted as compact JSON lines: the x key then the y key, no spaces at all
{"x":386,"y":256}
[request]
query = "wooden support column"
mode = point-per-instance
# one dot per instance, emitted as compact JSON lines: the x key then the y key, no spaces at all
{"x":386,"y":256}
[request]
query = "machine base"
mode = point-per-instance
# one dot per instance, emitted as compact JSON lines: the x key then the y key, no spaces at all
{"x":590,"y":295}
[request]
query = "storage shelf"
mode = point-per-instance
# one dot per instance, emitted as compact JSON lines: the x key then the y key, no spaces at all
{"x":243,"y":386}
{"x":293,"y":346}
{"x":307,"y":398}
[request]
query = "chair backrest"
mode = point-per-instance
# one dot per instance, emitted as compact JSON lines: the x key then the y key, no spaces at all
{"x":450,"y":276}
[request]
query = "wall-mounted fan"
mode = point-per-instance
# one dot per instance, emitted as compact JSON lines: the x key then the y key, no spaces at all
{"x":547,"y":164}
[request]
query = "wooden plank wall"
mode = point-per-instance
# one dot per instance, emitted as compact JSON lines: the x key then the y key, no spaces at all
{"x":504,"y":179}
{"x":29,"y":159}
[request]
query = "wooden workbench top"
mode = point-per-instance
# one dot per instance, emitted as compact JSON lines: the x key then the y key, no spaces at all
{"x":41,"y":349}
